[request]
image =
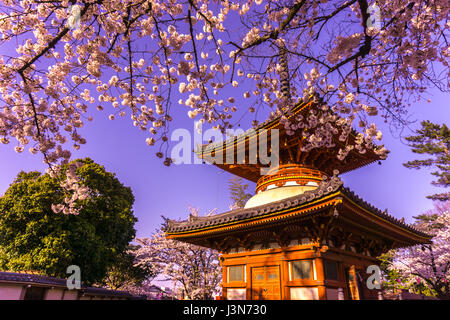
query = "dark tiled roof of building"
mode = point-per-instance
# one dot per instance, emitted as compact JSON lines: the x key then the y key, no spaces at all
{"x":327,"y":187}
{"x":32,"y":278}
{"x":58,"y":282}
{"x":106,"y":292}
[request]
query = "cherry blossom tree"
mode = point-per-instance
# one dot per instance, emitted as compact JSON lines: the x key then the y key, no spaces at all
{"x":427,"y":266}
{"x":195,"y":270}
{"x":61,"y":59}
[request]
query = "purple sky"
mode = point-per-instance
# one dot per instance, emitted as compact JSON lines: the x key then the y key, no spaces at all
{"x":161,"y":190}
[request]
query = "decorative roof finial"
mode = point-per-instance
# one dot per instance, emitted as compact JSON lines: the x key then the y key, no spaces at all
{"x":284,"y":74}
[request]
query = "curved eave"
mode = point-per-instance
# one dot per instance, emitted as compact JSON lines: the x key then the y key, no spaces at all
{"x":207,"y":149}
{"x":259,"y":220}
{"x":368,"y":217}
{"x":385,"y":221}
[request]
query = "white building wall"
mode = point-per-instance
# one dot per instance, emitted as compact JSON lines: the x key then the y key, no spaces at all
{"x":332,"y":294}
{"x":236,"y":294}
{"x":54,"y":294}
{"x":304,"y":293}
{"x":10,"y":291}
{"x":71,"y":295}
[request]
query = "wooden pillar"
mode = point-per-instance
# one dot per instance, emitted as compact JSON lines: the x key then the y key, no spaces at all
{"x":284,"y":277}
{"x":248,"y":274}
{"x":23,"y":292}
{"x":286,"y":289}
{"x":224,"y":280}
{"x":320,"y":277}
{"x":353,"y":283}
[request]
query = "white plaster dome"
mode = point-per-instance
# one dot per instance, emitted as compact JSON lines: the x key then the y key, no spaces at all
{"x":287,"y":181}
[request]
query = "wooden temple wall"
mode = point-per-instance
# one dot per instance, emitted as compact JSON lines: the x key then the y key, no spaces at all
{"x":269,"y":274}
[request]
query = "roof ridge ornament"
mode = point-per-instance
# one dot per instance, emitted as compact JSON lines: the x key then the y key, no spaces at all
{"x":284,"y":73}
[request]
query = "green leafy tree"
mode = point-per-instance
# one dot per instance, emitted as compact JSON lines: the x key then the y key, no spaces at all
{"x":125,"y":274}
{"x":238,"y":192}
{"x":34,"y":238}
{"x":433,"y":140}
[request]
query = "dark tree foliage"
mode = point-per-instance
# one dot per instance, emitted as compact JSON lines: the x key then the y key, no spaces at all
{"x":433,"y":140}
{"x":124,"y":274}
{"x":34,"y":238}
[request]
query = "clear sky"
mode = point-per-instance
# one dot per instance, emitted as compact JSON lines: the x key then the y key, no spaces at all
{"x":161,"y":190}
{"x":168,"y":191}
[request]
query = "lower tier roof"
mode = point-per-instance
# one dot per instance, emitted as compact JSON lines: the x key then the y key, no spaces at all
{"x":351,"y":209}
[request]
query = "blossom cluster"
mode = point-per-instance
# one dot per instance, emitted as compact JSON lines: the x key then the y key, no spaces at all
{"x":428,"y":263}
{"x":75,"y":190}
{"x":135,"y":58}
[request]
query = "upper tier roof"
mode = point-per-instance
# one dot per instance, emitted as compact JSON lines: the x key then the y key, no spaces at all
{"x":323,"y":159}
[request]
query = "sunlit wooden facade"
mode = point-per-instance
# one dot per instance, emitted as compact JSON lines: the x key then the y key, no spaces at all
{"x":303,"y":235}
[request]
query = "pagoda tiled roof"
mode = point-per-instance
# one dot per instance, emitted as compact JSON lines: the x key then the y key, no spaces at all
{"x":327,"y":187}
{"x":262,"y":125}
{"x":251,"y":171}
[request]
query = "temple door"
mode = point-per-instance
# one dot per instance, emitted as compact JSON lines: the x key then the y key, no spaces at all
{"x":266,"y":283}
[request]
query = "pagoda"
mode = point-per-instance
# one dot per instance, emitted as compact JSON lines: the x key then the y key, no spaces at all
{"x":303,"y":235}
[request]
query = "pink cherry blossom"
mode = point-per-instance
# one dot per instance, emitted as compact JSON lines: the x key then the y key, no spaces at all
{"x":74,"y":56}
